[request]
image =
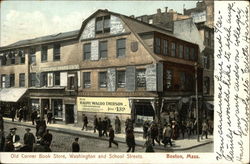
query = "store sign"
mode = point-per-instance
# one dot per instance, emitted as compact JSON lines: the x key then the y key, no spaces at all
{"x":199,"y":17}
{"x":103,"y":105}
{"x":59,"y":68}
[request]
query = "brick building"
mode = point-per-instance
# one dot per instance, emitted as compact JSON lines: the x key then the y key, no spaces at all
{"x":114,"y":65}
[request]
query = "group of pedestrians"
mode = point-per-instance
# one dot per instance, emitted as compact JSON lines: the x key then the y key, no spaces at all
{"x":21,"y":113}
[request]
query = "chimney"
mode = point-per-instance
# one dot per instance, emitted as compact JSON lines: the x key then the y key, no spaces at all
{"x":166,"y":9}
{"x":158,"y":11}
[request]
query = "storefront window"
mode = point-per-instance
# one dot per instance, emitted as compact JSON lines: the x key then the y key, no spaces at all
{"x":143,"y":112}
{"x":34,"y":104}
{"x":57,"y":106}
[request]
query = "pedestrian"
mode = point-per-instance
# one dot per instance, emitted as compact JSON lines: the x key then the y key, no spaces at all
{"x":117,"y":125}
{"x":42,"y":127}
{"x":2,"y":141}
{"x":33,"y":116}
{"x":12,"y":135}
{"x":149,"y":146}
{"x":183,"y":128}
{"x":154,"y":133}
{"x":167,"y":134}
{"x":41,"y":146}
{"x":1,"y":123}
{"x":49,"y":116}
{"x":108,"y":123}
{"x":95,"y":123}
{"x":29,"y":140}
{"x":75,"y":145}
{"x":38,"y":122}
{"x":210,"y":126}
{"x":20,"y":113}
{"x":105,"y":127}
{"x":130,"y":140}
{"x":112,"y":136}
{"x":85,"y":122}
{"x":25,"y":113}
{"x":145,"y":129}
{"x":175,"y":130}
{"x":189,"y":128}
{"x":204,"y":129}
{"x":100,"y":127}
{"x":12,"y":113}
{"x":9,"y":146}
{"x":160,"y":131}
{"x":47,"y":138}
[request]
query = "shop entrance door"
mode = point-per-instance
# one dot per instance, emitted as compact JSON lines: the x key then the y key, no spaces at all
{"x":69,"y":111}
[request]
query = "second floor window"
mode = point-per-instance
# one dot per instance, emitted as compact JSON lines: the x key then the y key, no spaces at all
{"x":12,"y":80}
{"x":165,"y":47}
{"x":86,"y":80}
{"x":141,"y":78}
{"x":21,"y":57}
{"x":103,"y":49}
{"x":121,"y":83}
{"x":3,"y":82}
{"x":57,"y":79}
{"x":173,"y":49}
{"x":44,"y":79}
{"x":121,"y":47}
{"x":13,"y":59}
{"x":32,"y":55}
{"x":22,"y":80}
{"x":187,"y":53}
{"x":32,"y":79}
{"x":103,"y":79}
{"x":44,"y":53}
{"x":57,"y":52}
{"x":192,"y":54}
{"x":87,"y":51}
{"x":157,"y":45}
{"x":102,"y":24}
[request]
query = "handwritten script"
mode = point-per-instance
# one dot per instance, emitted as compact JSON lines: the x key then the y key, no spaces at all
{"x":232,"y":81}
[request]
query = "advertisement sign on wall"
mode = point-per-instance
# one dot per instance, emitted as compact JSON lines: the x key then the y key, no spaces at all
{"x":103,"y":105}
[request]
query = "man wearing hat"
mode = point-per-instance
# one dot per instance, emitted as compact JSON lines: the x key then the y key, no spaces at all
{"x":14,"y":138}
{"x":167,"y":134}
{"x":29,"y":139}
{"x":75,"y":145}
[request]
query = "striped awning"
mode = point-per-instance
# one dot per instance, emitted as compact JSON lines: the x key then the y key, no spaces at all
{"x":11,"y":94}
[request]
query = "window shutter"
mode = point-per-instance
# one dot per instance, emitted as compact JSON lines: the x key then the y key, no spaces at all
{"x":94,"y":50}
{"x":151,"y":78}
{"x":7,"y":81}
{"x":111,"y":79}
{"x":130,"y":78}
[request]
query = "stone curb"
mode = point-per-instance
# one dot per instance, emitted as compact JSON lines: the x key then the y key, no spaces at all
{"x":94,"y":135}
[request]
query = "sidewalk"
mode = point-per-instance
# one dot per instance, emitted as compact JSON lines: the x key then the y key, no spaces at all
{"x":178,"y":145}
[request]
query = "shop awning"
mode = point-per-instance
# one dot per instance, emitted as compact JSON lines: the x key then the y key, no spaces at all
{"x":11,"y":94}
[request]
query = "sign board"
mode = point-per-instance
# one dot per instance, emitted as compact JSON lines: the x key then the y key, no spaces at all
{"x":59,"y":68}
{"x":151,"y":77}
{"x":116,"y":26}
{"x":199,"y":17}
{"x":103,"y":105}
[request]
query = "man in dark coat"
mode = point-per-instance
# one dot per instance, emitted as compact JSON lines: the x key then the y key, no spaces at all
{"x":100,"y":127}
{"x":85,"y":122}
{"x":2,"y":141}
{"x":47,"y":138}
{"x":25,"y":113}
{"x":12,"y":113}
{"x":49,"y":116}
{"x":130,"y":140}
{"x":95,"y":123}
{"x":42,"y":127}
{"x":9,"y":147}
{"x":112,"y":136}
{"x":167,"y":134}
{"x":20,"y":113}
{"x":154,"y":133}
{"x":75,"y":145}
{"x":117,"y":125}
{"x":105,"y":126}
{"x":41,"y":147}
{"x":29,"y":139}
{"x":145,"y":129}
{"x":33,"y":116}
{"x":12,"y":135}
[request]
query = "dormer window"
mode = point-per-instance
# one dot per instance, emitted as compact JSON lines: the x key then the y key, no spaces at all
{"x":102,"y":24}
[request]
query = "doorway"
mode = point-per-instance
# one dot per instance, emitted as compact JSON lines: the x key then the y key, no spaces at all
{"x":69,"y":111}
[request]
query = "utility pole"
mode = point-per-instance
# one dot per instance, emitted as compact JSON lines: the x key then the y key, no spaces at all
{"x":197,"y":100}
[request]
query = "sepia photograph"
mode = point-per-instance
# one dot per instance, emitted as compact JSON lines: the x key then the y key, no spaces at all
{"x":127,"y":78}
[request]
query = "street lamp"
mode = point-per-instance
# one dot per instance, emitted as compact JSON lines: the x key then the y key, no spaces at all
{"x":197,"y":100}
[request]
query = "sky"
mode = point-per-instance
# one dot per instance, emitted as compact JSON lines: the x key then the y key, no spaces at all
{"x":29,"y":19}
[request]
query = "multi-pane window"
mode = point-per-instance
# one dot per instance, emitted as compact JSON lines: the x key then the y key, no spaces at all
{"x":57,"y":79}
{"x":86,"y":80}
{"x":121,"y":47}
{"x":121,"y":79}
{"x":57,"y":52}
{"x":21,"y":57}
{"x":103,"y":79}
{"x":21,"y":79}
{"x":87,"y":51}
{"x":165,"y":47}
{"x":192,"y":55}
{"x":44,"y":79}
{"x":182,"y":80}
{"x":44,"y":53}
{"x":32,"y":79}
{"x":3,"y":60}
{"x":12,"y":80}
{"x":141,"y":78}
{"x":187,"y":53}
{"x":3,"y":81}
{"x":157,"y":46}
{"x":180,"y":51}
{"x":206,"y":85}
{"x":32,"y":55}
{"x":206,"y":61}
{"x":173,"y":49}
{"x":169,"y":79}
{"x":103,"y":49}
{"x":102,"y":24}
{"x":12,"y":58}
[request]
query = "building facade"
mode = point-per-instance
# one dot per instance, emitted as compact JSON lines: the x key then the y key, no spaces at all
{"x":113,"y":66}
